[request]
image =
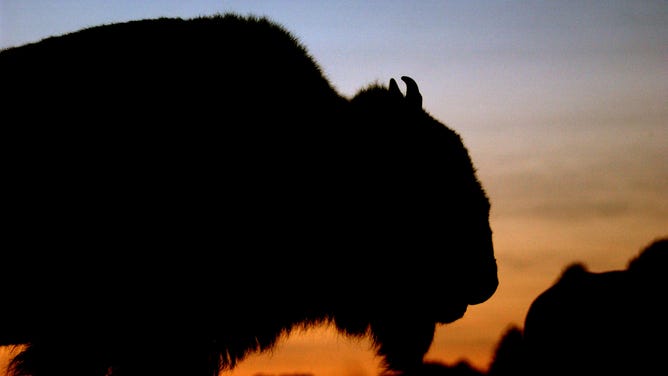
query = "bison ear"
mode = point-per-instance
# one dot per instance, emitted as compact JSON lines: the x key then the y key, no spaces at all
{"x":394,"y":89}
{"x":413,"y":96}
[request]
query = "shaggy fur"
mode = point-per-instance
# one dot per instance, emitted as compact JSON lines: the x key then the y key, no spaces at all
{"x":182,"y":193}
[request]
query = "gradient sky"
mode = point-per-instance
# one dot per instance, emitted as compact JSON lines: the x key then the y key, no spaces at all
{"x":562,"y":105}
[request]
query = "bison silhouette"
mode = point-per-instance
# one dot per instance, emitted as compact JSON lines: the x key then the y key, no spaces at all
{"x":610,"y":322}
{"x":180,"y":193}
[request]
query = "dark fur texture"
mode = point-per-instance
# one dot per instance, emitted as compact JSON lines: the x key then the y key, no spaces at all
{"x":181,"y":193}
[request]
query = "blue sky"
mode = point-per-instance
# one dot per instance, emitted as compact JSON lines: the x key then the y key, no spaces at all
{"x":562,"y":104}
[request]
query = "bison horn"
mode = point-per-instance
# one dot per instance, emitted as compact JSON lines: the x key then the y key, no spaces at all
{"x":413,"y":96}
{"x":394,"y":89}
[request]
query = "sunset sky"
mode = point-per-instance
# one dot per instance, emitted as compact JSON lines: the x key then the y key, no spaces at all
{"x":563,"y":106}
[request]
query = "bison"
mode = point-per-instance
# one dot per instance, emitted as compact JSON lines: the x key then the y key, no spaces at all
{"x":180,"y":193}
{"x":611,"y":322}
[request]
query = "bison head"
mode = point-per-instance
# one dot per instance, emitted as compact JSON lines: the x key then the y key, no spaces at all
{"x":424,"y":215}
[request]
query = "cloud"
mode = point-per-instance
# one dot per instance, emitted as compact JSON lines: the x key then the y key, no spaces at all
{"x":573,"y":181}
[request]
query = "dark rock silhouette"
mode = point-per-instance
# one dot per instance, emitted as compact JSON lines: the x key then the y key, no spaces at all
{"x":182,"y":193}
{"x":612,"y":322}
